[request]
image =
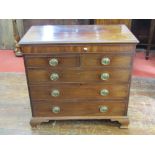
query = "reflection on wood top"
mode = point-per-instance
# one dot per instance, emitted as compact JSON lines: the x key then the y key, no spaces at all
{"x":60,"y":34}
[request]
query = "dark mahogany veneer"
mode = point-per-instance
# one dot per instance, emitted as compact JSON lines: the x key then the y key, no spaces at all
{"x":79,"y":72}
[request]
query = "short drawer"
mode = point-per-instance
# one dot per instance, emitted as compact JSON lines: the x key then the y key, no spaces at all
{"x":79,"y":91}
{"x":78,"y":75}
{"x":102,"y":108}
{"x":106,"y":59}
{"x":53,"y":61}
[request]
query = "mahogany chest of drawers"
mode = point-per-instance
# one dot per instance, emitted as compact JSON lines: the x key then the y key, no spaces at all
{"x":79,"y":72}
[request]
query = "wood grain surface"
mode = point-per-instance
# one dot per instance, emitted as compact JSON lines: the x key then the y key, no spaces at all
{"x":79,"y":60}
{"x":44,"y":109}
{"x":38,"y":76}
{"x":64,"y":60}
{"x":80,"y":52}
{"x":77,"y":48}
{"x":52,"y":34}
{"x":79,"y":91}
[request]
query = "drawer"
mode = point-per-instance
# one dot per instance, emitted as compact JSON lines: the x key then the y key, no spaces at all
{"x":102,"y":108}
{"x":53,"y":61}
{"x":78,"y":48}
{"x":106,"y":59}
{"x":79,"y":91}
{"x":78,"y":75}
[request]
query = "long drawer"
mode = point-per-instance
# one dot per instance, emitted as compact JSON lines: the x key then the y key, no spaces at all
{"x":78,"y":48}
{"x":102,"y":108}
{"x":78,"y":75}
{"x":79,"y":91}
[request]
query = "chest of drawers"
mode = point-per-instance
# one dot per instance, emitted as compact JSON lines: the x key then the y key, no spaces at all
{"x":79,"y":72}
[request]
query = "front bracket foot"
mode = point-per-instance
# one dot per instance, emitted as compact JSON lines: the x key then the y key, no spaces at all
{"x":124,"y":122}
{"x":37,"y":121}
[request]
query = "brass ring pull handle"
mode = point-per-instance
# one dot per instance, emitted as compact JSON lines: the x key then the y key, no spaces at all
{"x":103,"y":109}
{"x":105,"y":76}
{"x":53,"y":62}
{"x":55,"y":93}
{"x":56,"y":109}
{"x":104,"y":92}
{"x":105,"y":61}
{"x":54,"y":76}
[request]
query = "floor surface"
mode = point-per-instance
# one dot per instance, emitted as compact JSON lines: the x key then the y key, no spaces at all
{"x":142,"y":67}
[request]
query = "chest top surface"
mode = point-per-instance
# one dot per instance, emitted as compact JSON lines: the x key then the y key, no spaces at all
{"x":60,"y":34}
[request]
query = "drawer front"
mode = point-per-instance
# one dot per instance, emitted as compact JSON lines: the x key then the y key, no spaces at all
{"x":53,"y":61}
{"x":115,"y":60}
{"x":85,"y":60}
{"x":100,"y":75}
{"x":79,"y":48}
{"x":102,"y":108}
{"x":79,"y":91}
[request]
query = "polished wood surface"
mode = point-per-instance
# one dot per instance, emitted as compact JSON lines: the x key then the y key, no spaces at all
{"x":78,"y":34}
{"x":79,"y":91}
{"x":78,"y":48}
{"x":64,"y":60}
{"x":44,"y":108}
{"x":116,"y":60}
{"x":79,"y":60}
{"x":79,"y":51}
{"x":77,"y":75}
